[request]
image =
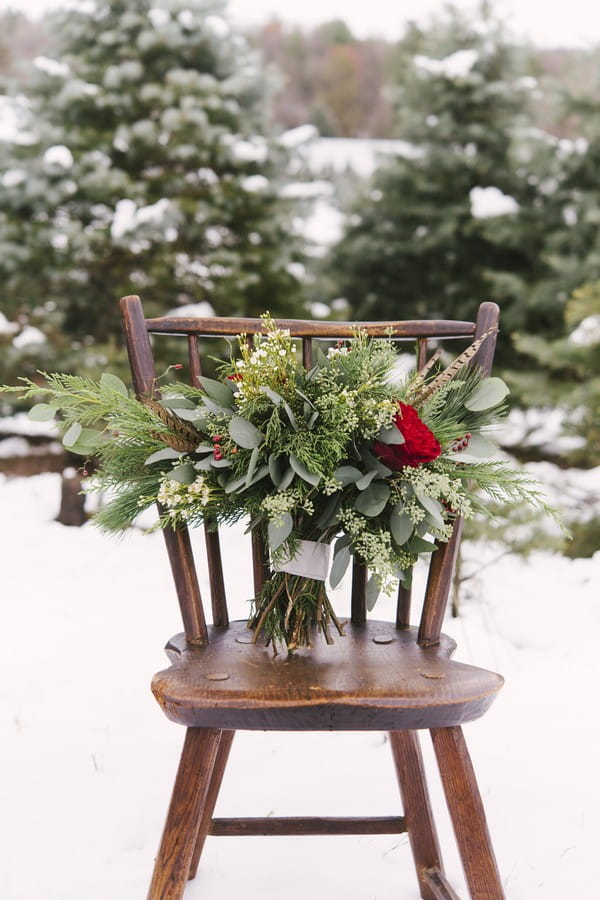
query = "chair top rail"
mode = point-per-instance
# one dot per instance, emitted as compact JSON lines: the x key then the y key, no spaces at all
{"x":210,"y":326}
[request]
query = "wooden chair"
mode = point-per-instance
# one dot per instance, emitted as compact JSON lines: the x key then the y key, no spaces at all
{"x":380,"y":676}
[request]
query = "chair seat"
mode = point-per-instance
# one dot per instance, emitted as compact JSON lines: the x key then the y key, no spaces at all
{"x":375,"y":677}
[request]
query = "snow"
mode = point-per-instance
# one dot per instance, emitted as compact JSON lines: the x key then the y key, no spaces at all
{"x":28,"y":337}
{"x":254,"y":150}
{"x":92,"y":759}
{"x":128,"y":217}
{"x":301,"y":190}
{"x":59,"y":156}
{"x":218,"y":25}
{"x":202,"y":309}
{"x":323,"y":227}
{"x":488,"y":202}
{"x":13,"y":177}
{"x":7,"y":327}
{"x":586,"y":334}
{"x":254,"y":183}
{"x":457,"y":65}
{"x":158,"y":17}
{"x":295,"y":137}
{"x":359,"y":155}
{"x":14,"y":114}
{"x":52,"y":67}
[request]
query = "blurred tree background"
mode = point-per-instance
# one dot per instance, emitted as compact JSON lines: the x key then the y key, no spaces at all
{"x":150,"y":147}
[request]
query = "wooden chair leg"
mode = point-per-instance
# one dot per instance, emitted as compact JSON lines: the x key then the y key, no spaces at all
{"x":420,"y":825}
{"x":467,"y":814}
{"x":211,"y":797}
{"x":185,"y":811}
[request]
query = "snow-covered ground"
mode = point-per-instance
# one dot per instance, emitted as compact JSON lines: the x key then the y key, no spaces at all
{"x":89,"y":759}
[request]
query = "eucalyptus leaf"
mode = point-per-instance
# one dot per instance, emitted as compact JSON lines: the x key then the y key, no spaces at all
{"x":477,"y":449}
{"x":372,"y":463}
{"x":216,"y":408}
{"x":114,"y":383}
{"x":252,"y":465}
{"x":433,"y":508}
{"x":279,"y":532}
{"x":372,"y":501}
{"x":341,"y":561}
{"x":160,"y":455}
{"x":290,"y":415}
{"x":245,"y":433}
{"x":204,"y":448}
{"x":258,"y":475}
{"x":235,"y":483}
{"x":88,"y":442}
{"x":401,"y":525}
{"x":347,"y":474}
{"x":286,"y":479}
{"x":189,"y":415}
{"x":275,"y":469}
{"x":390,"y":435}
{"x":185,"y":473}
{"x":488,"y":393}
{"x":365,"y":481}
{"x":301,"y":470}
{"x":219,"y":463}
{"x":418,"y":545}
{"x":72,"y":434}
{"x":204,"y":465}
{"x":313,"y":419}
{"x":41,"y":412}
{"x":329,"y":514}
{"x":176,"y":402}
{"x":273,"y":396}
{"x":217,"y":391}
{"x":372,"y":593}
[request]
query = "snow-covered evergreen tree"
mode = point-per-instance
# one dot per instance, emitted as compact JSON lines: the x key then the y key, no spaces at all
{"x":456,"y":219}
{"x":141,"y":165}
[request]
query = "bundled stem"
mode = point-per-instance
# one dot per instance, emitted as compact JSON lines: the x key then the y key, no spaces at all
{"x":289,"y":608}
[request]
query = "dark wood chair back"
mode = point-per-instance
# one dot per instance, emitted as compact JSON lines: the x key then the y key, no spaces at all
{"x":138,"y":330}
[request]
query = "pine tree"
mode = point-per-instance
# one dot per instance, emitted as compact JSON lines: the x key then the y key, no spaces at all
{"x":143,"y":168}
{"x":456,"y":218}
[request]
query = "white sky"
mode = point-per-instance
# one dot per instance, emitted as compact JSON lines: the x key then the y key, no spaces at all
{"x":576,"y":22}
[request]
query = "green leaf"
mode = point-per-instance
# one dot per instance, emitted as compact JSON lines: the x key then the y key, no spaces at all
{"x":165,"y":453}
{"x":366,"y":480}
{"x":372,"y":592}
{"x":234,"y":484}
{"x":301,"y":470}
{"x":88,"y":441}
{"x":478,"y":448}
{"x":372,"y":501}
{"x":278,"y":533}
{"x":275,"y":469}
{"x":220,"y":393}
{"x":176,"y":402}
{"x":434,"y":509}
{"x":273,"y":396}
{"x":390,"y":436}
{"x":258,"y":475}
{"x":290,"y":415}
{"x":213,"y":408}
{"x":219,"y":463}
{"x":114,"y":383}
{"x":71,"y":435}
{"x":418,"y":545}
{"x":347,"y":474}
{"x":341,"y":561}
{"x":204,"y":465}
{"x":372,"y":463}
{"x":245,"y":433}
{"x":286,"y":479}
{"x":401,"y":525}
{"x":329,"y":514}
{"x":488,"y":393}
{"x":313,"y":419}
{"x":185,"y":474}
{"x":41,"y":412}
{"x":252,"y":465}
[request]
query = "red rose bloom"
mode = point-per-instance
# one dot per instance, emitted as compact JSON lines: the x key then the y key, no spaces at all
{"x":420,"y":444}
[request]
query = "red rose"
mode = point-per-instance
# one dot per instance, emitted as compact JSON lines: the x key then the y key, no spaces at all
{"x":420,"y":444}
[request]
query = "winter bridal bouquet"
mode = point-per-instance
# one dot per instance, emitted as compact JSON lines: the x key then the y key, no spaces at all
{"x":343,"y":457}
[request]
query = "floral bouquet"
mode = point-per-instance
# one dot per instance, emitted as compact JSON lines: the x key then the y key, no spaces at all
{"x":343,"y":457}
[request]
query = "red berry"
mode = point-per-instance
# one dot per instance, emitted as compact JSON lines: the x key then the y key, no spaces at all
{"x":217,"y":439}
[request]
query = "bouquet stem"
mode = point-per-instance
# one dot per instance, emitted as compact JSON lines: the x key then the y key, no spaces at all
{"x":287,"y":608}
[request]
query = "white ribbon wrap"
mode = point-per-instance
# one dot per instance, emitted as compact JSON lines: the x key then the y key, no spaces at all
{"x":310,"y":561}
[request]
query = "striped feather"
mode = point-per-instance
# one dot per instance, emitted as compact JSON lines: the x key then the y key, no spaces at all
{"x":449,"y":373}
